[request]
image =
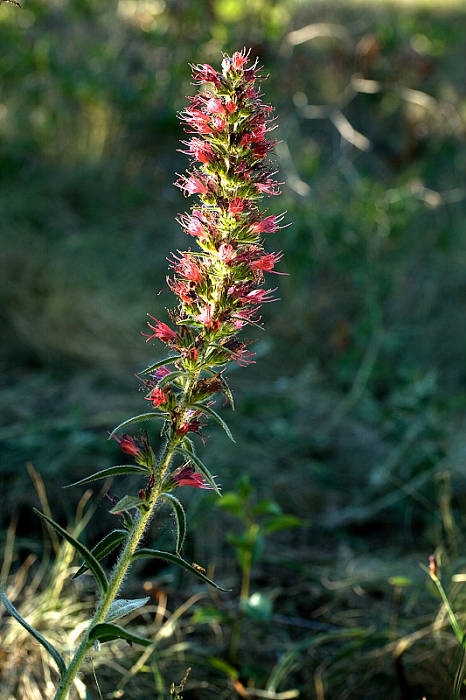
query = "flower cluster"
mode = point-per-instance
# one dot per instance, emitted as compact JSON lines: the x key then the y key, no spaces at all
{"x":220,"y":285}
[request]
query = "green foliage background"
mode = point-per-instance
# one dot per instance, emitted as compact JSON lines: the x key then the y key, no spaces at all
{"x":353,"y":416}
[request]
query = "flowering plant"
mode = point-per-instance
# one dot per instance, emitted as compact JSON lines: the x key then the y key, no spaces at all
{"x":219,"y":287}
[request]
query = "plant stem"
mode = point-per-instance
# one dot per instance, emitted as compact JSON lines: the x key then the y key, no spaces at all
{"x":126,"y":556}
{"x":116,"y":578}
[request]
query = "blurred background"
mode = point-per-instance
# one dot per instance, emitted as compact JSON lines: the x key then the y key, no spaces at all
{"x":350,"y":464}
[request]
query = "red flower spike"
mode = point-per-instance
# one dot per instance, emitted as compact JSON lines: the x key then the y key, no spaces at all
{"x":219,"y":285}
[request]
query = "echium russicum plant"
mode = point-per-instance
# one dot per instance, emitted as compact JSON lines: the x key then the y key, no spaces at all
{"x":220,"y":289}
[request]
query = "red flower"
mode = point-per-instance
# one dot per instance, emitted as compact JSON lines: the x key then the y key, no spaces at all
{"x":182,"y":290}
{"x":187,"y":268}
{"x":191,"y":424}
{"x":193,"y":224}
{"x":157,"y":397}
{"x":239,"y":58}
{"x":258,"y":296}
{"x":206,"y":318}
{"x":255,"y":136}
{"x":128,"y":445}
{"x":188,"y":477}
{"x":199,"y":149}
{"x":206,"y":74}
{"x":160,"y":373}
{"x":215,"y":106}
{"x":240,"y":354}
{"x":236,"y":206}
{"x":192,"y":185}
{"x":269,"y":225}
{"x":267,"y":263}
{"x":268,"y":187}
{"x":161,"y":331}
{"x":226,"y":253}
{"x":218,"y":123}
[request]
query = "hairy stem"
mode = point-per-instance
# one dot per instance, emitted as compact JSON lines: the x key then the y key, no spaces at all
{"x":115,"y":581}
{"x":126,"y":556}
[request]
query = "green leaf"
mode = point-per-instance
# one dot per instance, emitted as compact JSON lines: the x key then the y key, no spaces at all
{"x":215,"y":416}
{"x":167,"y":361}
{"x":135,"y":419}
{"x":110,"y":471}
{"x":400,"y":581}
{"x":174,"y":559}
{"x":104,"y":547}
{"x":224,"y":666}
{"x":233,"y":503}
{"x":170,"y":377}
{"x":228,"y":393}
{"x":201,"y":466}
{"x":105,"y":632}
{"x":266,"y":507}
{"x":89,"y":558}
{"x":126,"y":503}
{"x":207,"y":615}
{"x":123,"y":606}
{"x":180,"y":518}
{"x":280,"y":522}
{"x":10,"y":608}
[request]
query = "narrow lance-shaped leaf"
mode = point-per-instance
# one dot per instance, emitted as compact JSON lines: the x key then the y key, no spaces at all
{"x":170,"y":377}
{"x":104,"y":547}
{"x":136,"y":419}
{"x":10,"y":608}
{"x":201,"y":467}
{"x":174,"y":559}
{"x":215,"y":416}
{"x":180,"y":518}
{"x":89,"y":558}
{"x":105,"y":632}
{"x":126,"y":503}
{"x":110,"y":471}
{"x":167,"y":361}
{"x":124,"y":606}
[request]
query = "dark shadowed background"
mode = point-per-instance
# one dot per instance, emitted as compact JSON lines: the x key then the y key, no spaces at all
{"x":353,"y":417}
